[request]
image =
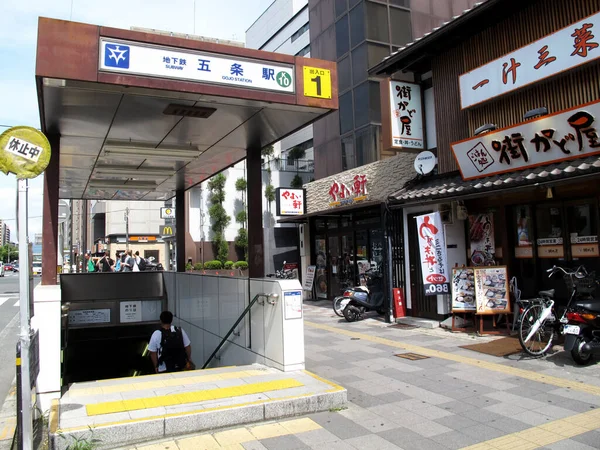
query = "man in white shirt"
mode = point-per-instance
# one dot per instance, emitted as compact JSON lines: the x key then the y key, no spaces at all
{"x":170,"y":347}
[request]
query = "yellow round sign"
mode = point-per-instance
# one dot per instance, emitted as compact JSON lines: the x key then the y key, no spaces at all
{"x":24,"y":151}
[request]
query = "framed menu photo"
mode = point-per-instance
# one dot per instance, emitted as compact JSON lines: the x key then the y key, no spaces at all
{"x":463,"y":289}
{"x":492,"y":295}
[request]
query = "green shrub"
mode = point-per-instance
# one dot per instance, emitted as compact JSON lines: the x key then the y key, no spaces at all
{"x":228,"y":264}
{"x":240,"y":265}
{"x":270,"y":193}
{"x":213,"y":265}
{"x":198,"y":266}
{"x":188,"y":266}
{"x":296,"y":182}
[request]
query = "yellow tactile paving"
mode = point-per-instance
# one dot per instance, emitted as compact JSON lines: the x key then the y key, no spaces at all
{"x":235,"y":436}
{"x":151,"y":384}
{"x":169,"y":445}
{"x":270,"y":430}
{"x":527,"y":374}
{"x":205,"y":442}
{"x":549,"y":433}
{"x":300,"y":425}
{"x":191,"y":397}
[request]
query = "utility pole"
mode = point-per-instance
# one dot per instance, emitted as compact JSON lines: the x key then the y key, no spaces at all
{"x":127,"y":228}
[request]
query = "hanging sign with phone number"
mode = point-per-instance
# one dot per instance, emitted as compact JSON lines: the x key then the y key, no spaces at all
{"x":317,"y":82}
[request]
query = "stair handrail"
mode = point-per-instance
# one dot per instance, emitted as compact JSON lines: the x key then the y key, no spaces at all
{"x":246,"y":311}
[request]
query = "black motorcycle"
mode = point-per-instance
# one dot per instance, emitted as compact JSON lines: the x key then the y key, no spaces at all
{"x":153,"y":266}
{"x":582,"y":334}
{"x":361,"y":301}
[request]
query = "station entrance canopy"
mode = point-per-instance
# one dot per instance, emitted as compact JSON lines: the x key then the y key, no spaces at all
{"x":138,"y":116}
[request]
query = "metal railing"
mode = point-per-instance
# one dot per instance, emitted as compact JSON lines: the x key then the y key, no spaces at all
{"x":237,"y":322}
{"x":290,"y":165}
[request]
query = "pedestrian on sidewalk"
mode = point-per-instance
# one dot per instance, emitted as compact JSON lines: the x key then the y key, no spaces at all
{"x":129,"y":262}
{"x":170,"y":347}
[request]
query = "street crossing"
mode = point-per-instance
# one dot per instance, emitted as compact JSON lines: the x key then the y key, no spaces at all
{"x":6,"y":299}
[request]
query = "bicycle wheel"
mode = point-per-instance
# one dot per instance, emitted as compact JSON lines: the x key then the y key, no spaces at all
{"x":541,"y":340}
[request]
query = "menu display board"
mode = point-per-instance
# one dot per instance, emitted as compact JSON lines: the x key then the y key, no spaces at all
{"x":463,"y":289}
{"x":491,"y":290}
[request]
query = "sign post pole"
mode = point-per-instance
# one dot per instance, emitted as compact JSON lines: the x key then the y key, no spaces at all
{"x":24,"y":338}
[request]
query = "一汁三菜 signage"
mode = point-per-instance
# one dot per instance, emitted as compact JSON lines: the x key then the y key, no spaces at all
{"x":290,"y":202}
{"x":432,"y":246}
{"x":562,"y":136}
{"x":406,"y":115}
{"x":168,"y":62}
{"x":563,"y":50}
{"x":342,"y":194}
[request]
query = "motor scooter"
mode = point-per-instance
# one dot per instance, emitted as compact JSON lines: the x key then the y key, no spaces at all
{"x":341,"y":301}
{"x":361,"y":301}
{"x":582,"y":334}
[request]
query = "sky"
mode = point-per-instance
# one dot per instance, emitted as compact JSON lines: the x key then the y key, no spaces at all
{"x":18,"y":36}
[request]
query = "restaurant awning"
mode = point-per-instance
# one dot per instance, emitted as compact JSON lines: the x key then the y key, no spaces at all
{"x":450,"y":186}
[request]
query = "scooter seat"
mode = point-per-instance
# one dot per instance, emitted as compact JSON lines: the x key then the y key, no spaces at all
{"x":548,"y":293}
{"x":591,"y":305}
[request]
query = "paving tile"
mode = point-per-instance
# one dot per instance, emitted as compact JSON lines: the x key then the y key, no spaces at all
{"x":288,"y":442}
{"x":429,"y":428}
{"x":205,"y":441}
{"x":505,"y":409}
{"x":317,"y":437}
{"x":267,"y":431}
{"x":362,"y":399}
{"x":570,"y":444}
{"x":336,"y":445}
{"x":410,"y":440}
{"x":482,"y":415}
{"x":532,"y":418}
{"x":456,"y":407}
{"x":456,"y":422}
{"x":556,"y":412}
{"x":481,"y":401}
{"x":302,"y":425}
{"x":252,"y":445}
{"x":483,"y":432}
{"x":233,"y":436}
{"x":509,"y":425}
{"x":391,"y":397}
{"x":591,"y":438}
{"x":455,"y":440}
{"x":372,"y":443}
{"x":339,"y":425}
{"x":169,"y":445}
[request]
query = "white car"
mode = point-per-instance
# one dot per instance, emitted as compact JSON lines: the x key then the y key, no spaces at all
{"x":37,"y":268}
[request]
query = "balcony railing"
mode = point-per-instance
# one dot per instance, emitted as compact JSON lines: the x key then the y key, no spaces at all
{"x":290,"y":165}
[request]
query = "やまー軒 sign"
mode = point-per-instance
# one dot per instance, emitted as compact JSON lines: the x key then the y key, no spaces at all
{"x":432,"y":246}
{"x":347,"y":194}
{"x":24,"y":151}
{"x":406,"y":115}
{"x":290,"y":202}
{"x":168,"y":62}
{"x":563,"y":50}
{"x":565,"y":135}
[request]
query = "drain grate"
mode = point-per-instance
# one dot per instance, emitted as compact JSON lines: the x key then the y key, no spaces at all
{"x":411,"y":356}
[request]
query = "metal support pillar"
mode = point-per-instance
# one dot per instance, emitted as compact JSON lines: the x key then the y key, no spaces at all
{"x":50,"y":215}
{"x":180,"y":230}
{"x":256,"y":254}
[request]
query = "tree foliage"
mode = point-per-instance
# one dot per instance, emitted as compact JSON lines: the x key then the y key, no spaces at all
{"x":9,"y":250}
{"x":241,"y":184}
{"x":270,"y":193}
{"x":296,"y":153}
{"x":296,"y":182}
{"x":219,"y":216}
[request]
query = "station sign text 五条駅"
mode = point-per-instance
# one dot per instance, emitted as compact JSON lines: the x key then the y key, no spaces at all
{"x":178,"y":63}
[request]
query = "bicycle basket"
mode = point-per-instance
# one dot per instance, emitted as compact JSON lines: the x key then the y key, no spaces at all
{"x":585,"y":285}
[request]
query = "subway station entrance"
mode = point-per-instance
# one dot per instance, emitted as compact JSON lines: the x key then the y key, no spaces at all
{"x":137,"y":116}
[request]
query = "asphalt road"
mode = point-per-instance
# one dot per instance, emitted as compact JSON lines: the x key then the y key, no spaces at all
{"x":9,"y":329}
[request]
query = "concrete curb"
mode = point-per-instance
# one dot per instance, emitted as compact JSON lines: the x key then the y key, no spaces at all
{"x":8,"y":418}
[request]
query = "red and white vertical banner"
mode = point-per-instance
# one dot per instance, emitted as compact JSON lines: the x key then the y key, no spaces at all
{"x":434,"y":261}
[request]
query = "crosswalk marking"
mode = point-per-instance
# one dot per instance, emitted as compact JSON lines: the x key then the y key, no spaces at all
{"x":17,"y":303}
{"x":2,"y":300}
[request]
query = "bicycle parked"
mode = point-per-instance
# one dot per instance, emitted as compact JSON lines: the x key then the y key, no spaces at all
{"x":539,"y":324}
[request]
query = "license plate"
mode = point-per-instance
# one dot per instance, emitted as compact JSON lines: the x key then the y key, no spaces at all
{"x":571,"y":329}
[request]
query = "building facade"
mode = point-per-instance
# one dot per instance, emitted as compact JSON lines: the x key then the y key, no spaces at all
{"x":358,"y":34}
{"x":4,"y":233}
{"x":516,"y":88}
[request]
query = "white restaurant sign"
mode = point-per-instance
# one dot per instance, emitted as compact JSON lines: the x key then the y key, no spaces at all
{"x":434,"y":261}
{"x":565,"y":135}
{"x":406,"y":115}
{"x":168,"y":62}
{"x":290,"y":202}
{"x":563,"y":50}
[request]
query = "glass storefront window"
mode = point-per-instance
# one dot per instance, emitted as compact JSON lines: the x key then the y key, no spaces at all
{"x":377,"y":246}
{"x":321,"y":269}
{"x":582,"y":223}
{"x":549,"y":232}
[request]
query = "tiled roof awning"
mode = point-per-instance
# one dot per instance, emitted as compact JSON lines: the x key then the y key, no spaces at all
{"x":451,"y":186}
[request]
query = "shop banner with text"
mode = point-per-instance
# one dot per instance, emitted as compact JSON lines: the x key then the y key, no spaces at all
{"x":432,"y":246}
{"x":566,"y":135}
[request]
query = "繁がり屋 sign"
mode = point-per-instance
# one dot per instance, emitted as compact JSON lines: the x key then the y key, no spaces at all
{"x":569,"y":134}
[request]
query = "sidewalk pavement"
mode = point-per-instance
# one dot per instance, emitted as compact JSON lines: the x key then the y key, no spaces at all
{"x":8,"y":418}
{"x":446,"y":397}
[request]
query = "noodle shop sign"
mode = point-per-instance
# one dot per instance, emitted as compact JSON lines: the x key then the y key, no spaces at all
{"x":562,"y":136}
{"x":342,"y":194}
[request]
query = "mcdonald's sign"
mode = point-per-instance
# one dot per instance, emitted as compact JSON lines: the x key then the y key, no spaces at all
{"x":166,"y":230}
